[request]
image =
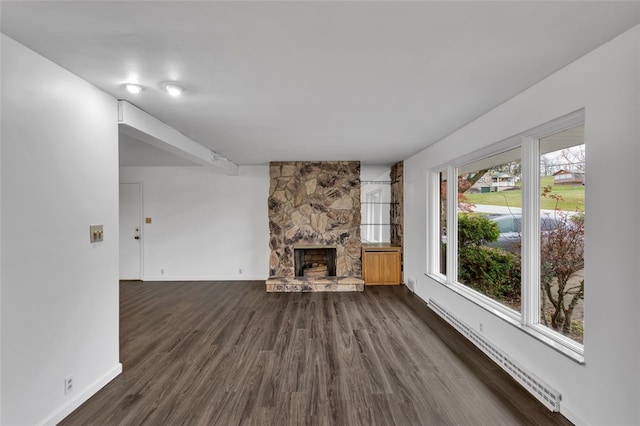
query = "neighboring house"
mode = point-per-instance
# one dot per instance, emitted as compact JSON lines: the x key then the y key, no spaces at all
{"x":502,"y":182}
{"x":494,"y":182}
{"x":566,"y":177}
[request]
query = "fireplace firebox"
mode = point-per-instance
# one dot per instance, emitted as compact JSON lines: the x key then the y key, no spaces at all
{"x":315,"y":261}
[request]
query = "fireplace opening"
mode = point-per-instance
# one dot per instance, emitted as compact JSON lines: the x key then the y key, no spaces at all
{"x":315,"y":262}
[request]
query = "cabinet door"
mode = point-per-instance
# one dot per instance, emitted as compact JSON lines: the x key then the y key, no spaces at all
{"x":373,"y":266}
{"x":390,"y":264}
{"x":381,"y":267}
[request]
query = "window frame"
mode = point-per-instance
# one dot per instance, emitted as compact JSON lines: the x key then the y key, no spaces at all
{"x":434,"y":227}
{"x":528,"y":319}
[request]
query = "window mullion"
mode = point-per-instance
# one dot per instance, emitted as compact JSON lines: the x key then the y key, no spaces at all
{"x":433,"y":223}
{"x":452,"y":224}
{"x":530,"y":290}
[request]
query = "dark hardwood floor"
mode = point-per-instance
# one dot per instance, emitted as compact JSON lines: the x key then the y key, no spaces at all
{"x":227,"y":353}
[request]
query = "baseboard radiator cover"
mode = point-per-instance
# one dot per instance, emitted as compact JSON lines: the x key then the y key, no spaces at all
{"x":538,"y":388}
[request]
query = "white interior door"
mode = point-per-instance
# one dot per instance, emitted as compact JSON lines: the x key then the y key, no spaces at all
{"x":130,"y":231}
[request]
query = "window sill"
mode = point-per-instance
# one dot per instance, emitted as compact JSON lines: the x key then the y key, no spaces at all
{"x":572,"y":350}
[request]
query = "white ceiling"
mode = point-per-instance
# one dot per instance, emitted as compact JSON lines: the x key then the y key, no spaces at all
{"x":369,"y":81}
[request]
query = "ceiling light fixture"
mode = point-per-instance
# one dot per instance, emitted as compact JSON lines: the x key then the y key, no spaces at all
{"x":133,"y":88}
{"x":174,"y":89}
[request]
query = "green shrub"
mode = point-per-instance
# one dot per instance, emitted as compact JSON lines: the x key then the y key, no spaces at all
{"x":476,"y":230}
{"x":492,"y":271}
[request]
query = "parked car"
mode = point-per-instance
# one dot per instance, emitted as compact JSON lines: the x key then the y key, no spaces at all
{"x":510,"y":226}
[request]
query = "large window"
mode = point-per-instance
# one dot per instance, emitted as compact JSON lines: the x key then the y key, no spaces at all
{"x":489,"y":215}
{"x":562,"y":214}
{"x":511,"y":231}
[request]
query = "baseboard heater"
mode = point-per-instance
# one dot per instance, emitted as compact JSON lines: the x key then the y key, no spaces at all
{"x":543,"y":392}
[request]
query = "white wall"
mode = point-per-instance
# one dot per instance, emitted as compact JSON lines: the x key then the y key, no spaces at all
{"x":205,"y":226}
{"x":59,"y":295}
{"x":606,"y":390}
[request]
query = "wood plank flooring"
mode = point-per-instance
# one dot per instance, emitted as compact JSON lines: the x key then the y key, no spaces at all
{"x":228,"y":353}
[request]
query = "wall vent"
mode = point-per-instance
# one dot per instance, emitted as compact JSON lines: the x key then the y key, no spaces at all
{"x":411,"y":284}
{"x":543,"y":392}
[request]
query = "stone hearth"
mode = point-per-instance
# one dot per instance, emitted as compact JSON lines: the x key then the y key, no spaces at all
{"x":315,"y":204}
{"x":304,"y":284}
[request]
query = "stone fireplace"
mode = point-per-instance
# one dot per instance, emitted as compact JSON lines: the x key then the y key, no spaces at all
{"x":314,"y":225}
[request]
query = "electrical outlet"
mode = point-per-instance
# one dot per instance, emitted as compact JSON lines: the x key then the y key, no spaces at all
{"x":240,"y":271}
{"x":68,"y":384}
{"x":161,"y":271}
{"x":481,"y":328}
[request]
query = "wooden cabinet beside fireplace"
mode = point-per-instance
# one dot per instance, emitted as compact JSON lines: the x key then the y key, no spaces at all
{"x":381,"y":264}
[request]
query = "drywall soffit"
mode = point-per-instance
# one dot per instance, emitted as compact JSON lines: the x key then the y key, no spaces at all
{"x":140,"y":125}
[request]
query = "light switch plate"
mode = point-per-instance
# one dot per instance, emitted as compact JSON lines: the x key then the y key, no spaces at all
{"x":96,"y":233}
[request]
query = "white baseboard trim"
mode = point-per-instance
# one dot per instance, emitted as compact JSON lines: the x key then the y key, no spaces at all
{"x":82,"y":397}
{"x":178,"y":278}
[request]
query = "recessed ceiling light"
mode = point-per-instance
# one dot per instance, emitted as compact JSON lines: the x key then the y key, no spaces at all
{"x":174,"y":89}
{"x":133,"y":88}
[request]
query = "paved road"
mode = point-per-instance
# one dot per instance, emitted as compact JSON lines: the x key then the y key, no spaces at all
{"x":483,"y":208}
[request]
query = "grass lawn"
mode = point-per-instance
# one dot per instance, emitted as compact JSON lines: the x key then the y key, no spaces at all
{"x":572,"y":197}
